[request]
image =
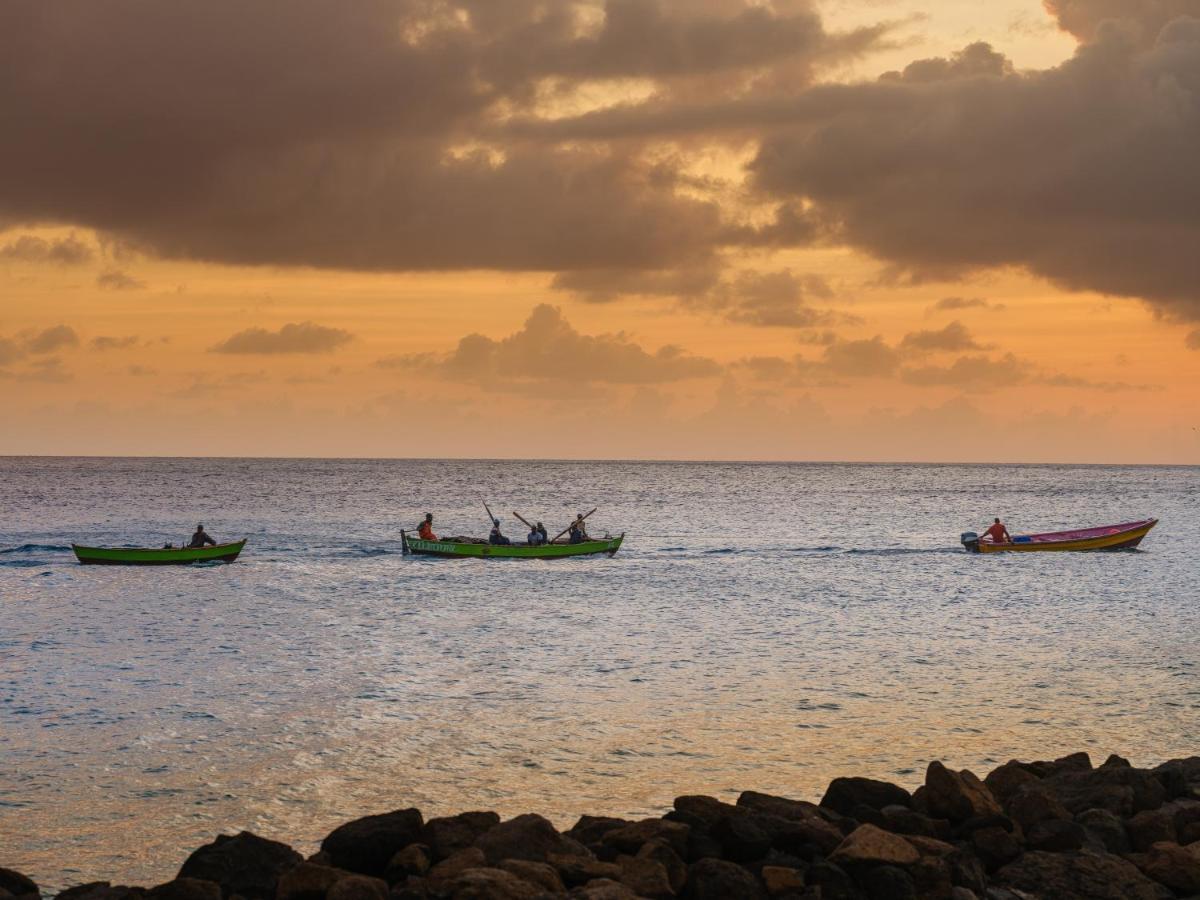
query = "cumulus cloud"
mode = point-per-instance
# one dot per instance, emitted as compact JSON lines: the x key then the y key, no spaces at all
{"x":116,"y":280}
{"x":954,"y":304}
{"x":51,"y":339}
{"x":30,"y":248}
{"x":549,"y":348}
{"x":295,"y":337}
{"x":107,"y":342}
{"x":984,"y":373}
{"x":869,"y":358}
{"x":955,"y":337}
{"x":1083,"y":18}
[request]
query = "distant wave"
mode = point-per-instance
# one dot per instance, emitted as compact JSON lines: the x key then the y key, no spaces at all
{"x":36,"y":548}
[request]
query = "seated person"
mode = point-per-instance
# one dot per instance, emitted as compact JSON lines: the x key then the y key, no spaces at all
{"x":578,"y":530}
{"x":535,"y":537}
{"x":997,"y":533}
{"x":495,"y":537}
{"x":200,"y":538}
{"x":425,"y":529}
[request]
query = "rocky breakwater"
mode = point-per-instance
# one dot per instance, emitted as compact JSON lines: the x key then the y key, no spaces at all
{"x":1051,"y":830}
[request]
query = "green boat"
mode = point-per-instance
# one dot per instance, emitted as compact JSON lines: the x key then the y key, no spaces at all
{"x":462,"y":549}
{"x":150,"y":556}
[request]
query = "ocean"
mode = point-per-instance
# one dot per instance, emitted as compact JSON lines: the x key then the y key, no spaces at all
{"x":764,"y":627}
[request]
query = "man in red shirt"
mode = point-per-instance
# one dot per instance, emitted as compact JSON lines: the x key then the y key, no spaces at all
{"x":425,"y":530}
{"x":998,"y":534}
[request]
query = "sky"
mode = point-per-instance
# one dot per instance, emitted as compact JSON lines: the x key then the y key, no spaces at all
{"x":860,"y":230}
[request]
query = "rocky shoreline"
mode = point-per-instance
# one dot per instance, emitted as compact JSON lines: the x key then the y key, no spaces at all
{"x":1049,"y":830}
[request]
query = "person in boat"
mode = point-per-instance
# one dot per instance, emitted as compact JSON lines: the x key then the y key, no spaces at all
{"x":425,"y":529}
{"x":496,"y":537}
{"x":997,"y":533}
{"x":201,"y":538}
{"x":578,"y":530}
{"x":534,"y":537}
{"x":541,"y":530}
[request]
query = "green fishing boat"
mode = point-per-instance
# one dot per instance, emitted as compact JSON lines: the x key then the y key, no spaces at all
{"x":163,"y":556}
{"x":464,"y":549}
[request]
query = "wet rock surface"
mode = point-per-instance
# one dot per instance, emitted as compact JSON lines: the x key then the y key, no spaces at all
{"x":1043,"y":830}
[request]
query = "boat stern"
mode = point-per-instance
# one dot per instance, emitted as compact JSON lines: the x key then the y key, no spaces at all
{"x":970,"y":541}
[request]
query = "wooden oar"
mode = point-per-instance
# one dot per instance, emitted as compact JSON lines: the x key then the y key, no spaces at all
{"x":492,"y":520}
{"x":568,"y":528}
{"x":523,"y":519}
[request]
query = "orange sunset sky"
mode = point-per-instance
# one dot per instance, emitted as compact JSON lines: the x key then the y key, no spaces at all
{"x":707,"y":229}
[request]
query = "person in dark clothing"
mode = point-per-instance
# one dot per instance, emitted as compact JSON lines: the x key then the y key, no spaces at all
{"x":534,"y":537}
{"x":541,"y":530}
{"x":201,"y":537}
{"x":496,"y":537}
{"x":578,"y":530}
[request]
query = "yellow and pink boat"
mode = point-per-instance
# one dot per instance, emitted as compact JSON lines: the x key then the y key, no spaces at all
{"x":1104,"y":537}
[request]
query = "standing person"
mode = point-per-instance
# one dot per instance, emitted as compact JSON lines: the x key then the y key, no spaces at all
{"x":425,"y":529}
{"x":997,"y":533}
{"x":578,"y":530}
{"x":495,"y":537}
{"x":201,"y":537}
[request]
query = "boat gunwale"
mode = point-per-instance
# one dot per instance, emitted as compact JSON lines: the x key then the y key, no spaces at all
{"x":422,"y":547}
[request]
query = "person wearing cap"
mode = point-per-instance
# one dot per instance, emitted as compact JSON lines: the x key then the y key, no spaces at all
{"x":425,"y":529}
{"x":538,"y":536}
{"x":201,"y":537}
{"x":496,"y":537}
{"x":578,"y":530}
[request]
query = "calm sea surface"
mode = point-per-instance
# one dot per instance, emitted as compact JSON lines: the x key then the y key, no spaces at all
{"x":765,"y":627}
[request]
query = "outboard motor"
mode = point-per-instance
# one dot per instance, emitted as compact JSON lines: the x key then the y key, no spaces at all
{"x":970,"y":540}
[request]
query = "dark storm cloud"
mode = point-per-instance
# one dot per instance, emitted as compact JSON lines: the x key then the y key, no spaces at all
{"x":295,"y":337}
{"x":313,"y":132}
{"x":1082,"y":18}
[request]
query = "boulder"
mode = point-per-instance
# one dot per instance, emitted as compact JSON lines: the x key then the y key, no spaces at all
{"x":414,"y":860}
{"x":831,"y":882}
{"x":185,"y":889}
{"x":1033,"y":804}
{"x":782,"y":880}
{"x":1074,"y":762}
{"x":103,"y":890}
{"x":1078,"y":876}
{"x":528,"y":837}
{"x":645,"y":877}
{"x":542,"y":874}
{"x":368,"y":844}
{"x":868,"y":845}
{"x":456,"y":863}
{"x":1173,"y":866}
{"x":1056,"y":836}
{"x":447,"y":835}
{"x":244,"y":864}
{"x":603,"y":889}
{"x":662,"y":854}
{"x":358,"y":887}
{"x":1009,"y":778}
{"x":903,"y":820}
{"x":844,"y":794}
{"x":488,"y":884}
{"x":995,"y":847}
{"x":742,"y":839}
{"x":577,"y":869}
{"x":18,"y":886}
{"x":1104,"y":829}
{"x":307,"y":881}
{"x":957,"y":796}
{"x":717,"y":879}
{"x":1150,"y":827}
{"x":1120,"y":790}
{"x":888,"y":883}
{"x":589,"y":830}
{"x":630,"y":838}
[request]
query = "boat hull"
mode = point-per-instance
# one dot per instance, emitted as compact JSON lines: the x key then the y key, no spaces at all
{"x":1107,"y":537}
{"x":150,"y":556}
{"x":457,"y":550}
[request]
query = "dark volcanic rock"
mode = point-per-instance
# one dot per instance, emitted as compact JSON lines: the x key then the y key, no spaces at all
{"x":1121,"y":790}
{"x":368,"y":844}
{"x":525,"y":837}
{"x":630,"y":838}
{"x":1150,"y":827}
{"x":541,"y":874}
{"x":358,"y":887}
{"x":17,"y":885}
{"x":1079,"y":876}
{"x":1074,"y":762}
{"x":844,"y":794}
{"x":457,"y":863}
{"x":868,"y":845}
{"x":307,"y":881}
{"x":103,"y":890}
{"x":716,"y":879}
{"x":1057,"y":835}
{"x":488,"y":884}
{"x":603,"y":889}
{"x":833,"y":881}
{"x":1034,"y":804}
{"x":888,"y":883}
{"x":741,"y":838}
{"x":995,"y":847}
{"x":575,"y":869}
{"x":1173,"y":866}
{"x":448,"y":834}
{"x":1009,"y":778}
{"x":590,"y":830}
{"x":185,"y":889}
{"x":1105,"y":828}
{"x":415,"y":859}
{"x":245,"y":864}
{"x":662,"y":854}
{"x":957,"y":796}
{"x":645,"y":877}
{"x":903,"y":820}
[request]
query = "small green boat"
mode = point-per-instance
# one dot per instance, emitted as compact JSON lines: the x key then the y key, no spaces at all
{"x":150,"y":556}
{"x":484,"y":550}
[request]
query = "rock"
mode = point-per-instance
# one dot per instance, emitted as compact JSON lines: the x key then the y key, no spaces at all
{"x":103,"y":890}
{"x":645,"y":877}
{"x":1087,"y":876}
{"x":186,"y":889}
{"x":1034,"y":804}
{"x":844,"y":794}
{"x":1105,"y":829}
{"x":17,"y":885}
{"x":868,"y":845}
{"x":1120,"y":790}
{"x":1009,"y":778}
{"x":662,"y":854}
{"x":888,"y":883}
{"x":368,"y":844}
{"x":831,"y":881}
{"x":1173,"y":866}
{"x":781,"y":880}
{"x":1056,"y":836}
{"x":413,"y":860}
{"x":962,"y":893}
{"x":589,"y":830}
{"x":525,"y":837}
{"x":358,"y":887}
{"x":741,"y":838}
{"x":794,"y":822}
{"x":456,"y":863}
{"x":307,"y":881}
{"x":1179,"y":777}
{"x":488,"y":884}
{"x":245,"y":864}
{"x":542,"y":874}
{"x":603,"y":889}
{"x":717,"y":879}
{"x":1150,"y":827}
{"x":957,"y":795}
{"x":576,"y":869}
{"x":449,"y":834}
{"x":630,"y":838}
{"x":1075,"y":762}
{"x":903,"y":820}
{"x":995,"y":847}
